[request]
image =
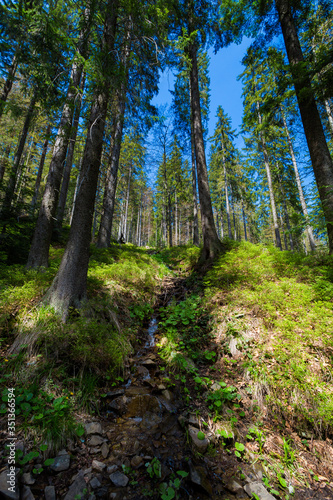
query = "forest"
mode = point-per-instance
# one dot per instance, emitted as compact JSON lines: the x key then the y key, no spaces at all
{"x":166,"y":293}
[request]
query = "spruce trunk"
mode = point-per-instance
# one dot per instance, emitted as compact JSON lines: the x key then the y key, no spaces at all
{"x":40,"y":168}
{"x":270,"y":184}
{"x":17,"y":159}
{"x":69,"y":161}
{"x":211,"y":244}
{"x":105,"y":228}
{"x":314,"y":133}
{"x":69,"y":287}
{"x":299,"y":184}
{"x":8,"y":84}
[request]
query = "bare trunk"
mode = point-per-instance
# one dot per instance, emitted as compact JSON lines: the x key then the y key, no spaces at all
{"x":8,"y":84}
{"x":127,"y":201}
{"x":17,"y":159}
{"x":4,"y":162}
{"x":105,"y":228}
{"x":75,"y":192}
{"x":39,"y":250}
{"x":69,"y":160}
{"x":299,"y":184}
{"x":315,"y":137}
{"x":227,"y":207}
{"x":270,"y":185}
{"x":244,"y":221}
{"x":69,"y":287}
{"x":211,"y":244}
{"x":329,"y":115}
{"x":176,"y":220}
{"x":40,"y":169}
{"x":194,"y":189}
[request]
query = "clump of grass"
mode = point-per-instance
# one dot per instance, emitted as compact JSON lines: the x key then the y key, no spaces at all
{"x":291,"y":295}
{"x":183,"y":257}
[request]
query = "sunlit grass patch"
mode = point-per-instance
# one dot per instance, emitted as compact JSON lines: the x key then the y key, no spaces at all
{"x":182,"y":257}
{"x":291,"y":295}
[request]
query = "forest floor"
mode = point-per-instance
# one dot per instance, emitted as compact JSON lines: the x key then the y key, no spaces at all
{"x":175,"y":382}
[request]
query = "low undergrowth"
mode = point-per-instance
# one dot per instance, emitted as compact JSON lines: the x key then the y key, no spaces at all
{"x":52,"y":361}
{"x":252,"y":353}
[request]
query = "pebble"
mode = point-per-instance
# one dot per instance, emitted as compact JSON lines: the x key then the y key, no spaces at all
{"x":61,"y":463}
{"x":111,"y":469}
{"x":200,"y":444}
{"x":93,"y":428}
{"x":94,"y":483}
{"x":119,"y":479}
{"x":50,"y":493}
{"x":259,"y":490}
{"x":98,"y":466}
{"x":26,"y":493}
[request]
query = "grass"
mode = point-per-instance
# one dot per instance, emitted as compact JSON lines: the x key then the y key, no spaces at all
{"x":88,"y":351}
{"x":291,"y":296}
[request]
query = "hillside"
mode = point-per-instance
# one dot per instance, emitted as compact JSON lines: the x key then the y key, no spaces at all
{"x":173,"y":380}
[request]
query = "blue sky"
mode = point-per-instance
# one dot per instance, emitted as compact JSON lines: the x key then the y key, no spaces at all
{"x":225,"y":90}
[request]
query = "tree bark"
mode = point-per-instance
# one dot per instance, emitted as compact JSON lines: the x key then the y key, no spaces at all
{"x":211,"y":244}
{"x":127,"y":202}
{"x":196,"y":241}
{"x":39,"y":250}
{"x":299,"y":184}
{"x":69,"y":161}
{"x":315,"y":137}
{"x":227,"y":206}
{"x":105,"y":228}
{"x":8,"y":84}
{"x":270,"y":184}
{"x":17,"y":159}
{"x":40,"y":168}
{"x":70,"y":284}
{"x":244,"y":220}
{"x":4,"y":162}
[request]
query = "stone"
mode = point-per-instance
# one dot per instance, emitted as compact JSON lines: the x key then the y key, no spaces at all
{"x":258,"y":470}
{"x":118,"y":404}
{"x":233,"y":486}
{"x":182,"y":420}
{"x":115,"y":393}
{"x":95,"y":483}
{"x":258,"y":489}
{"x":87,"y":471}
{"x":136,"y":391}
{"x":62,"y":452}
{"x":167,"y":395}
{"x":140,"y":405}
{"x":194,"y":420}
{"x":215,"y":387}
{"x":119,"y":479}
{"x":4,"y":485}
{"x":235,"y":353}
{"x":201,"y":445}
{"x":105,"y":450}
{"x":161,"y":387}
{"x":136,"y":461}
{"x":50,"y":493}
{"x":98,"y":466}
{"x":143,"y":372}
{"x":93,"y":428}
{"x":26,"y":493}
{"x":198,"y":476}
{"x":78,"y":487}
{"x":149,"y":363}
{"x":151,"y":421}
{"x":61,"y":463}
{"x":27,"y":478}
{"x":111,"y":469}
{"x":95,"y":440}
{"x":94,"y":451}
